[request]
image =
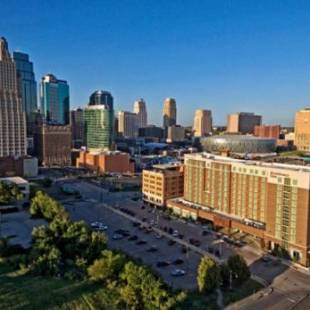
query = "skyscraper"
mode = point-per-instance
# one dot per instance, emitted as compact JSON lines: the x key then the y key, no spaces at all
{"x":202,"y":123}
{"x":55,"y":102}
{"x":12,"y":117}
{"x":128,"y":124}
{"x":27,"y":87}
{"x":99,"y":121}
{"x":77,"y":127}
{"x":169,"y":113}
{"x":139,"y":108}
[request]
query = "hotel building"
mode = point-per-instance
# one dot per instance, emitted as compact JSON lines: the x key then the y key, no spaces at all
{"x":162,"y":182}
{"x":268,"y":201}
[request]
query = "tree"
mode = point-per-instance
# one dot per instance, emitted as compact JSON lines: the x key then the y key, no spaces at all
{"x":107,"y":267}
{"x":209,"y":275}
{"x":225,"y":274}
{"x":9,"y":192}
{"x":238,"y":267}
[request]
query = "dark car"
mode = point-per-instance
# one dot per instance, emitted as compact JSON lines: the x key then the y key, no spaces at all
{"x":141,"y":242}
{"x":210,"y":249}
{"x":194,"y":242}
{"x":133,"y":238}
{"x":135,"y":224}
{"x":171,"y":242}
{"x":184,"y":249}
{"x":162,"y":264}
{"x":152,"y":249}
{"x":205,"y":233}
{"x":178,"y":261}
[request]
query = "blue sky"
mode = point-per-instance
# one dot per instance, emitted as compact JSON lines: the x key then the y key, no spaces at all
{"x":226,"y":56}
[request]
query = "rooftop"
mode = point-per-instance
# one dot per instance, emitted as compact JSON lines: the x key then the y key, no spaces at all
{"x":15,"y":180}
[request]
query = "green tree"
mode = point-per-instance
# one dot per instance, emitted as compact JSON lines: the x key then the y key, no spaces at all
{"x":9,"y":192}
{"x":209,"y":274}
{"x":225,"y":274}
{"x":238,"y":267}
{"x":107,"y":267}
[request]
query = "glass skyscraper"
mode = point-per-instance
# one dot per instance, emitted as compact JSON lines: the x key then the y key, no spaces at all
{"x":99,"y":121}
{"x":55,"y":102}
{"x":27,"y":87}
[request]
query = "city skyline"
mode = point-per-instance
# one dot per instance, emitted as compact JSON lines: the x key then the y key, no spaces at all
{"x":224,"y":57}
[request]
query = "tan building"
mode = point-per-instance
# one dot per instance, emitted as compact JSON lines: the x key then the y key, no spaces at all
{"x":169,"y":113}
{"x":139,"y":108}
{"x":12,"y":117}
{"x":302,"y":130}
{"x":202,"y":123}
{"x":53,"y":144}
{"x":242,"y":122}
{"x":162,"y":182}
{"x":175,"y":134}
{"x":127,"y":124}
{"x":115,"y":162}
{"x":268,"y":201}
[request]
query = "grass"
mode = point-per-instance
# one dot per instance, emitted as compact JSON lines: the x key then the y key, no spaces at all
{"x":244,"y":290}
{"x":19,"y":290}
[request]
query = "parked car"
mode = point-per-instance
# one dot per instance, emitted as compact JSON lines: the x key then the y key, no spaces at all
{"x":133,"y":238}
{"x":178,"y":261}
{"x":152,"y":249}
{"x":117,"y":237}
{"x":178,"y":272}
{"x":141,"y":242}
{"x":162,"y":264}
{"x":171,"y":242}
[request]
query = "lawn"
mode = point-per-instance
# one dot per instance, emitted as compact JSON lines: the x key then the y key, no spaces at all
{"x":18,"y":290}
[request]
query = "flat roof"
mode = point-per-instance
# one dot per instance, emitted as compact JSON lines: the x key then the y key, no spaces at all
{"x":16,"y":180}
{"x":166,"y":166}
{"x":224,"y":159}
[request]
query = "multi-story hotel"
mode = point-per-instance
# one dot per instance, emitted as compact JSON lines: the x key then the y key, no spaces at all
{"x":162,"y":182}
{"x":12,"y":116}
{"x":268,"y":201}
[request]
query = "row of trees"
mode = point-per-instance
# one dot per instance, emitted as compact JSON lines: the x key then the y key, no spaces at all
{"x":138,"y":287}
{"x":62,"y":247}
{"x":212,"y":275}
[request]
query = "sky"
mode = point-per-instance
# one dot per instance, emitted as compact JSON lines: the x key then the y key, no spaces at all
{"x":227,"y":56}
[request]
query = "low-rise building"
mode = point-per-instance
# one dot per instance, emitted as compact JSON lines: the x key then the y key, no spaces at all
{"x":175,"y":133}
{"x":267,"y":200}
{"x":162,"y":182}
{"x":26,"y":166}
{"x":106,"y":162}
{"x":267,"y":131}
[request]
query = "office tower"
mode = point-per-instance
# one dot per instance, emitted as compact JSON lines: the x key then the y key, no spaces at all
{"x":55,"y":102}
{"x":52,"y":144}
{"x":99,"y":121}
{"x":267,"y":131}
{"x":175,"y":133}
{"x":202,"y":123}
{"x":77,"y":127}
{"x":302,"y":130}
{"x":128,"y":124}
{"x":267,"y":200}
{"x":162,"y":182}
{"x":12,"y":116}
{"x":27,"y":87}
{"x":169,"y":113}
{"x":242,"y":122}
{"x":151,"y":131}
{"x":140,"y":109}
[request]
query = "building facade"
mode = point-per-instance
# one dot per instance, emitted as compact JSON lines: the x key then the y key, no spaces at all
{"x":268,"y":201}
{"x":128,"y":124}
{"x":77,"y":127}
{"x":202,"y":123}
{"x":302,"y":130}
{"x":151,"y":131}
{"x":243,"y":122}
{"x":267,"y":131}
{"x":12,"y":116}
{"x":27,"y":86}
{"x":106,"y":162}
{"x":175,"y":133}
{"x":139,"y":108}
{"x":53,"y":144}
{"x":161,"y":183}
{"x":55,"y":100}
{"x":99,"y":121}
